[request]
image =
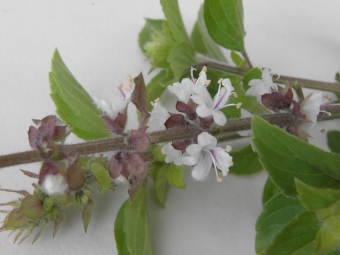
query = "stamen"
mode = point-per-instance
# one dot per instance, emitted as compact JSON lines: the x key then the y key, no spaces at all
{"x":219,"y":179}
{"x":230,"y":163}
{"x":192,"y":74}
{"x":323,"y":130}
{"x":328,"y":113}
{"x":235,"y":94}
{"x":228,"y":148}
{"x":238,"y":105}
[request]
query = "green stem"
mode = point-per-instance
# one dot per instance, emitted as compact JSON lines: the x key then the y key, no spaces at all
{"x":224,"y":133}
{"x":282,"y":79}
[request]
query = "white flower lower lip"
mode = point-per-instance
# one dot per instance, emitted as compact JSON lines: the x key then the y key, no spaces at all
{"x":203,"y":154}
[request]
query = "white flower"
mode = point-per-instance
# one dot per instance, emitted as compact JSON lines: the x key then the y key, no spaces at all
{"x":172,"y":155}
{"x":184,"y":89}
{"x":158,"y":117}
{"x":310,"y":106}
{"x":120,"y":98}
{"x":208,"y":107}
{"x":54,"y":184}
{"x":263,"y":86}
{"x":204,"y":153}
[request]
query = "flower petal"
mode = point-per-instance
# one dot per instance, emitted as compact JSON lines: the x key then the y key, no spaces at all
{"x":204,"y":96}
{"x":206,"y":140}
{"x":203,"y":111}
{"x":202,"y":168}
{"x":219,"y":118}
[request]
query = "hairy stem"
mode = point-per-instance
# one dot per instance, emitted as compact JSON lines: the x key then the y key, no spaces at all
{"x":227,"y":132}
{"x":313,"y":84}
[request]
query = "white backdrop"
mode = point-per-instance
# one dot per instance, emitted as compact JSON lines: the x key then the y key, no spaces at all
{"x":98,"y":42}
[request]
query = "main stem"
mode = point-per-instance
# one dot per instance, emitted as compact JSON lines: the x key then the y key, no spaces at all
{"x":224,"y":133}
{"x":313,"y":84}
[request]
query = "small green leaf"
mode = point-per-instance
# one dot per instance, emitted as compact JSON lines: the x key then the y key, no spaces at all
{"x":73,"y":103}
{"x":269,"y":190}
{"x":202,"y":41}
{"x":86,"y":214}
{"x":224,"y":21}
{"x":151,"y":25}
{"x":32,"y":207}
{"x":238,"y":61}
{"x":102,"y":175}
{"x":315,"y":198}
{"x":286,"y":157}
{"x":160,"y":182}
{"x":119,"y":232}
{"x":328,"y":238}
{"x":246,"y":162}
{"x":131,"y":226}
{"x":323,"y":202}
{"x":174,"y":20}
{"x":296,"y":238}
{"x":181,"y":57}
{"x":277,"y":213}
{"x":175,"y":176}
{"x":333,"y":138}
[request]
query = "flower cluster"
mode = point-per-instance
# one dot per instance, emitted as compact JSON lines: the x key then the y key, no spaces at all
{"x":195,"y":107}
{"x":277,"y":98}
{"x":60,"y":171}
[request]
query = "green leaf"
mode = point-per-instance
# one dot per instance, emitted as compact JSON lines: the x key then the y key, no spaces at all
{"x":160,"y":182}
{"x":151,"y":25}
{"x":277,"y":213}
{"x":102,"y":175}
{"x":119,"y":232}
{"x":174,"y":20}
{"x":202,"y":41}
{"x":269,"y":190}
{"x":333,"y":138}
{"x":323,"y":202}
{"x":175,"y":176}
{"x":131,"y":226}
{"x":286,"y":157}
{"x":224,"y":21}
{"x":328,"y":238}
{"x":181,"y":57}
{"x":238,"y":61}
{"x":296,"y":238}
{"x":74,"y":105}
{"x":315,"y":198}
{"x":246,"y":162}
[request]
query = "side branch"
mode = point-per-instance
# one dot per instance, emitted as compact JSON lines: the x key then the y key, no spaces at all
{"x":282,"y":79}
